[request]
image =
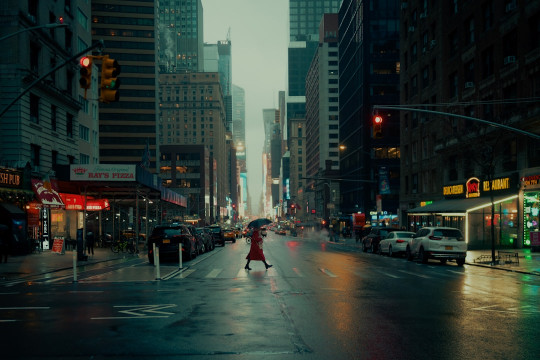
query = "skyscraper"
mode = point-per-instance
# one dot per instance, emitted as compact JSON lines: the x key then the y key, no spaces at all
{"x":180,"y":29}
{"x":128,"y":29}
{"x":304,"y":20}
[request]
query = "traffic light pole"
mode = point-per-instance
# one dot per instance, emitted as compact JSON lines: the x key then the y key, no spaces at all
{"x":46,"y":26}
{"x":486,"y":122}
{"x":99,"y":44}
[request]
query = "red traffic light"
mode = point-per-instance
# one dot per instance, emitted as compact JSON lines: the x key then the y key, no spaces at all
{"x":292,"y":206}
{"x":377,"y":127}
{"x":377,"y":119}
{"x":85,"y":61}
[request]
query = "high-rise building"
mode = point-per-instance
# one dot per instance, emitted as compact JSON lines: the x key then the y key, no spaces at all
{"x":304,"y":20}
{"x":369,"y":67}
{"x":239,"y":138}
{"x":128,"y":29}
{"x":321,"y":130}
{"x":181,"y":36}
{"x":192,"y":113}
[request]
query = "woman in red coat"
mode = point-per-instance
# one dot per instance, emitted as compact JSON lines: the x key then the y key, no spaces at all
{"x":256,"y":249}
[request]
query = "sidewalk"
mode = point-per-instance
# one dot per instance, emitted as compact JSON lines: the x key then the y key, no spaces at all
{"x":21,"y":266}
{"x":529,"y":262}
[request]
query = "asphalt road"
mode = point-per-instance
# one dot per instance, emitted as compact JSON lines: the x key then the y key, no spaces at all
{"x":319,"y":301}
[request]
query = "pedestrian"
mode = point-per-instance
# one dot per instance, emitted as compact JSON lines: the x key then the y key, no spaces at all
{"x":4,"y":243}
{"x":256,"y":249}
{"x":90,"y":242}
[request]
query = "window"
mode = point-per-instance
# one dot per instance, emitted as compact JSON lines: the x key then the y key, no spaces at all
{"x":84,"y":159}
{"x":487,"y":11}
{"x":469,"y":72}
{"x":69,"y":125}
{"x":487,"y":62}
{"x":84,"y":133}
{"x":470,"y":30}
{"x":54,"y":158}
{"x":34,"y":109}
{"x":453,"y":85}
{"x":34,"y":154}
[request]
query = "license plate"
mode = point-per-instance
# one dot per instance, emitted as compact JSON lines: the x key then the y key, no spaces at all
{"x":168,"y":241}
{"x":448,"y":247}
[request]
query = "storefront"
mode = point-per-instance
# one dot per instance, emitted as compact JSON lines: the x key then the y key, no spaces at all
{"x":15,"y":193}
{"x":469,"y":207}
{"x":530,"y":190}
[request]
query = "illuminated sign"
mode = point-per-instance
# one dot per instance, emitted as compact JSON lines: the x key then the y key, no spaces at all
{"x":530,"y":180}
{"x":10,"y":178}
{"x":474,"y":187}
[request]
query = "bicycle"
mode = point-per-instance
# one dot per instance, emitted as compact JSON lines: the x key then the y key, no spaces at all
{"x":124,"y":246}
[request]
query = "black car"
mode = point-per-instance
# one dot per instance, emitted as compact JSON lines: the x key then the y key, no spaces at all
{"x":371,"y":241}
{"x":168,"y":238}
{"x":217,"y":234}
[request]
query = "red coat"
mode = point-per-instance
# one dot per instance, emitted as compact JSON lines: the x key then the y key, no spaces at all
{"x":256,"y":249}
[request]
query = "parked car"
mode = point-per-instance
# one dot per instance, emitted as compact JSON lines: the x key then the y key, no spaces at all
{"x":442,"y":243}
{"x":217,"y":234}
{"x":168,"y":238}
{"x":199,"y":241}
{"x":395,"y":243}
{"x":371,"y":241}
{"x":230,"y":235}
{"x":207,"y":238}
{"x":281,"y":231}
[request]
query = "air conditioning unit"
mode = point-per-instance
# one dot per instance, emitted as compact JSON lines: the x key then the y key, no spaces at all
{"x":423,"y":15}
{"x":469,"y":84}
{"x":510,"y":7}
{"x":31,"y":17}
{"x":411,"y":29}
{"x":424,"y":50}
{"x":432,"y":44}
{"x":509,"y":60}
{"x":403,"y":5}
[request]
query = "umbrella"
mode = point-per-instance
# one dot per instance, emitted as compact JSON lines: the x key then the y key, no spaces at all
{"x":259,"y":223}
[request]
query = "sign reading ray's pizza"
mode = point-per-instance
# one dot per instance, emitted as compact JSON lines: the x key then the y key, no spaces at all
{"x":104,"y":172}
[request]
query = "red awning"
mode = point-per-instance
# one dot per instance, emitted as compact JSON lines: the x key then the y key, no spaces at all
{"x":47,"y":193}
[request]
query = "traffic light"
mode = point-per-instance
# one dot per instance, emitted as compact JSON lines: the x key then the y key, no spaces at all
{"x":86,"y":72}
{"x":377,"y":126}
{"x":110,"y":84}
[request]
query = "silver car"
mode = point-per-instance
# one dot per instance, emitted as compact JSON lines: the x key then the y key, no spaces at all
{"x":395,"y":243}
{"x":442,"y":243}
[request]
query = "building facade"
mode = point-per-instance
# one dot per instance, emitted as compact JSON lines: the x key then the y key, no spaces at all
{"x":369,"y":69}
{"x":192,"y":113}
{"x":128,"y":29}
{"x":481,"y":61}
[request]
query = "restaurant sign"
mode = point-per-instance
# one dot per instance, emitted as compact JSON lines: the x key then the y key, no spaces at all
{"x":10,"y":178}
{"x":474,"y":187}
{"x":102,"y":172}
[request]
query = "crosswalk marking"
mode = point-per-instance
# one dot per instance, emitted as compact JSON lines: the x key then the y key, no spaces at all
{"x":214,"y":273}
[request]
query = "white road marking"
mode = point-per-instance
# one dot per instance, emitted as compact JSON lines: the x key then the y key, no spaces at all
{"x":26,"y":308}
{"x":185,"y":274}
{"x":214,"y":273}
{"x":415,"y":274}
{"x":327,"y":272}
{"x":390,"y":275}
{"x":140,"y":312}
{"x":298,"y":272}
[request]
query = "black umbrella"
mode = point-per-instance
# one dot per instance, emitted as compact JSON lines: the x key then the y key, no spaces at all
{"x":259,"y":223}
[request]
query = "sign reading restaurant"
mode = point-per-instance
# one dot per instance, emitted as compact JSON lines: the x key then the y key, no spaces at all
{"x":103,"y":172}
{"x":474,"y":187}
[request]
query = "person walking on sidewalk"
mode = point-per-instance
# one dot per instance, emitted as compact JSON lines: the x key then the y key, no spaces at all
{"x":90,"y":242}
{"x":4,"y":243}
{"x":256,"y":249}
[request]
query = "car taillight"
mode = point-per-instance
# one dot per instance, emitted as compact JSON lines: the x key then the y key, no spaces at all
{"x":399,"y":241}
{"x":435,"y":237}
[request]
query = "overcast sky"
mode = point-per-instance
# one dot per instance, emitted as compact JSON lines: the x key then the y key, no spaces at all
{"x":260,"y":37}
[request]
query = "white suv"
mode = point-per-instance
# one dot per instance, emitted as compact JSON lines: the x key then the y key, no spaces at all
{"x":442,"y":243}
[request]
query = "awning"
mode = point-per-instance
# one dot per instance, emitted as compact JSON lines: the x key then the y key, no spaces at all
{"x":47,"y":192}
{"x":458,"y":206}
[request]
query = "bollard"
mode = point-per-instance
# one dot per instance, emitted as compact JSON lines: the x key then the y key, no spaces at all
{"x":154,"y":253}
{"x":180,"y":255}
{"x":158,"y":272}
{"x":74,"y":265}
